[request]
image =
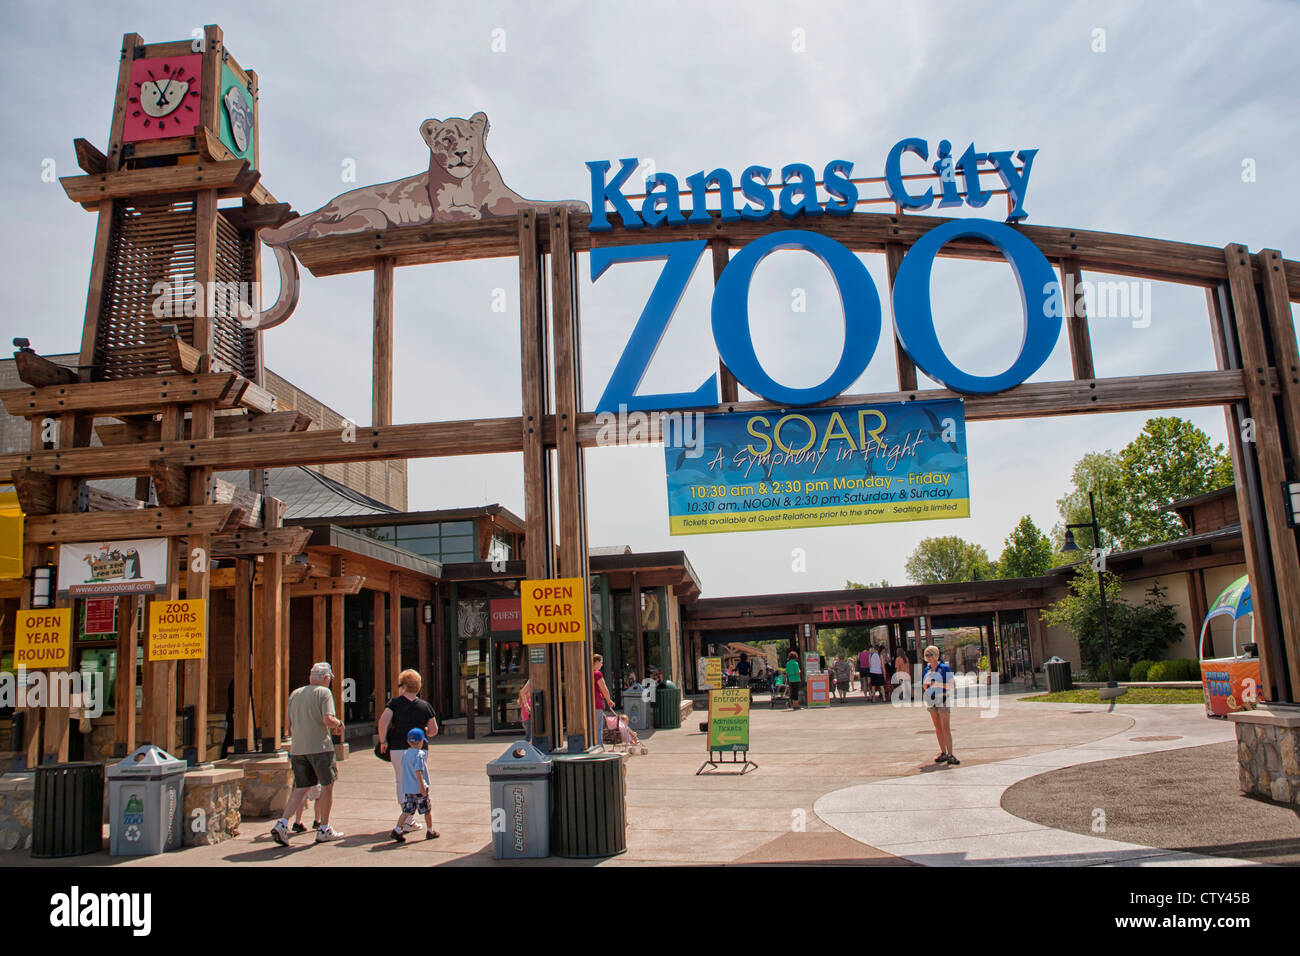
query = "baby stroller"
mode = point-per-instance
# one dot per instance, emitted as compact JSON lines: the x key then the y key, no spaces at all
{"x":616,"y":734}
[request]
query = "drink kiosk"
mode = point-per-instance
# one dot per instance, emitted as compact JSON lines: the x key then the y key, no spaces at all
{"x":1230,"y":683}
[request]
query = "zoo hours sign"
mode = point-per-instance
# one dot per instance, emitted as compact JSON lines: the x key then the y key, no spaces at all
{"x":1040,"y":289}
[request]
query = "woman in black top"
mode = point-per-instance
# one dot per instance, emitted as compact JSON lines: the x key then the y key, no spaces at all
{"x":404,"y":713}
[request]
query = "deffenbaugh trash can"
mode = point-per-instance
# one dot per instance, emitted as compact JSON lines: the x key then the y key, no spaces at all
{"x":521,"y":803}
{"x":145,"y":805}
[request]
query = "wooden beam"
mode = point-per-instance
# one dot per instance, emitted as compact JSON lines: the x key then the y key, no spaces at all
{"x":198,"y":561}
{"x":184,"y":358}
{"x":259,"y":217}
{"x":128,"y":642}
{"x":36,"y":492}
{"x":381,"y":406}
{"x":318,"y":635}
{"x":90,"y":159}
{"x":727,"y":387}
{"x":107,"y":525}
{"x":1281,"y":329}
{"x":902,"y":361}
{"x":271,"y":540}
{"x":336,"y":651}
{"x":130,"y":42}
{"x":493,"y":435}
{"x":243,"y":654}
{"x":97,"y":499}
{"x":345,"y":584}
{"x":249,"y":502}
{"x":230,"y":178}
{"x":39,"y":372}
{"x":255,"y":398}
{"x":170,"y":483}
{"x":95,"y":285}
{"x":270,"y":663}
{"x":122,"y":396}
{"x":379,"y":660}
{"x":227,"y":426}
{"x":1076,"y":319}
{"x":1114,"y":253}
{"x":394,"y":630}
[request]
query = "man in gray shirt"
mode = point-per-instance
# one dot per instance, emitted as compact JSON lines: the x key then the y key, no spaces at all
{"x":311,"y":753}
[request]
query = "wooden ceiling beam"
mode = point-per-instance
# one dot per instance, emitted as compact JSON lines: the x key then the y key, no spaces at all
{"x":39,"y":372}
{"x":227,"y":426}
{"x":36,"y":491}
{"x":231,"y":177}
{"x":273,"y":541}
{"x":312,"y":587}
{"x":122,"y":396}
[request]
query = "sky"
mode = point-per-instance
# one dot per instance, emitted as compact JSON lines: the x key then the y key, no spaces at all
{"x":1175,"y":121}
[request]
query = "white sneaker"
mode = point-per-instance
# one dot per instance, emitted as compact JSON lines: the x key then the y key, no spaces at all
{"x":327,"y":834}
{"x":412,"y":827}
{"x":280,"y":833}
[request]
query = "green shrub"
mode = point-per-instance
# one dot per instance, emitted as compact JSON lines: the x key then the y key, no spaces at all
{"x":1191,"y":668}
{"x":1159,"y":671}
{"x":1139,"y":670}
{"x":1122,"y":671}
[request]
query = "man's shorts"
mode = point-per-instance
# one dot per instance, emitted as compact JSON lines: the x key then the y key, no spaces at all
{"x":312,"y":769}
{"x":864,"y":675}
{"x":415,"y":803}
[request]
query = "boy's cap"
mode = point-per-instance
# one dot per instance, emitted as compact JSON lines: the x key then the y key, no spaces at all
{"x":415,"y":734}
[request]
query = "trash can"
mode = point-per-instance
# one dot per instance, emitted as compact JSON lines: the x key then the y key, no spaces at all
{"x":589,"y":805}
{"x":68,"y":810}
{"x":668,"y":706}
{"x":1058,"y":676}
{"x":521,"y":803}
{"x":145,"y":808}
{"x":636,"y":707}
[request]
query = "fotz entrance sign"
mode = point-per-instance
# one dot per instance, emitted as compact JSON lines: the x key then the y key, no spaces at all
{"x":1040,"y":289}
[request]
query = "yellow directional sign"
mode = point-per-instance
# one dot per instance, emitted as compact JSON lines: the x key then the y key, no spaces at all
{"x":729,"y":719}
{"x":713,"y":673}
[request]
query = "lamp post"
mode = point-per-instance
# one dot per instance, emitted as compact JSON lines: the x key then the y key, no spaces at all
{"x":1112,"y":689}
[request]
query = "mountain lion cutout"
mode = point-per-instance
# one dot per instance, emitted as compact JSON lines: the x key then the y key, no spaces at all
{"x":461,"y":184}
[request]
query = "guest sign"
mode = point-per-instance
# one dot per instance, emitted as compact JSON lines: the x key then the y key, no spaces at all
{"x":902,"y":461}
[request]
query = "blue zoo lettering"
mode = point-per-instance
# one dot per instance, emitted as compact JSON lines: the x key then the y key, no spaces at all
{"x":1040,"y":294}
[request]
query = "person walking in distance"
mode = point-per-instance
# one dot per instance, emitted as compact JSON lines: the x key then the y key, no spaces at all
{"x":311,"y":753}
{"x":936,"y":693}
{"x":743,"y":671}
{"x":793,"y":678}
{"x":864,"y":671}
{"x":876,"y":671}
{"x":404,"y":713}
{"x":415,"y":786}
{"x":902,"y":674}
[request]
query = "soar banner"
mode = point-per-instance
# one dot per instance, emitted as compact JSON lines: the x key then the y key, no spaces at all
{"x":899,"y":461}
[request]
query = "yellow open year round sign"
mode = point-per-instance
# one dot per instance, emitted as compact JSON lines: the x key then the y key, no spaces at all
{"x":553,"y":611}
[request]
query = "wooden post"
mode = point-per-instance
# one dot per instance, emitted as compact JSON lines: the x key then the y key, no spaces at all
{"x":381,"y":407}
{"x":1076,"y":318}
{"x":128,"y":640}
{"x":727,"y":387}
{"x":55,"y":747}
{"x":1270,"y":454}
{"x":245,"y":653}
{"x":538,"y":553}
{"x":424,"y":638}
{"x":318,"y":628}
{"x":336,"y":651}
{"x":906,"y":367}
{"x":270,"y":661}
{"x":381,"y":665}
{"x":198,"y":560}
{"x":394,"y":629}
{"x":286,"y":614}
{"x":570,"y":462}
{"x":32,"y":555}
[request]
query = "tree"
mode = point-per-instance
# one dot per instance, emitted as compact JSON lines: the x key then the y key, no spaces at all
{"x":1136,"y":633}
{"x":1169,"y":459}
{"x":854,"y":585}
{"x":948,"y":560}
{"x":1026,"y":553}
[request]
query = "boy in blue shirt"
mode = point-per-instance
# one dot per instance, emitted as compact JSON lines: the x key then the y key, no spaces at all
{"x":415,"y":786}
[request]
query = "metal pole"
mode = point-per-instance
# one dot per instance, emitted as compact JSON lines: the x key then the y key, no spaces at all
{"x":1101,"y":589}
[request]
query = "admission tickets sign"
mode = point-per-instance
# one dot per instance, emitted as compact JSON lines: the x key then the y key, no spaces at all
{"x":178,"y":630}
{"x":729,"y":719}
{"x":898,"y":461}
{"x":43,"y":638}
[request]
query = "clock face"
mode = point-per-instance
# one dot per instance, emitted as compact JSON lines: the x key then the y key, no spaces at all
{"x":163,"y":99}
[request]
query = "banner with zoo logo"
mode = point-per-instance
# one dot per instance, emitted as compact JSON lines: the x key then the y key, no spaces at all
{"x":802,"y":468}
{"x":132,"y":566}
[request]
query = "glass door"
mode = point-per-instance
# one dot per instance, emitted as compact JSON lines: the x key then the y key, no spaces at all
{"x":509,"y":674}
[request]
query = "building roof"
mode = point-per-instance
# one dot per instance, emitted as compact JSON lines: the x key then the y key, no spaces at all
{"x":1224,"y":492}
{"x":350,"y":519}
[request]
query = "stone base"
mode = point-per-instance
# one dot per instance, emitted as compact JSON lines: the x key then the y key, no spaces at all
{"x":218,"y":794}
{"x":1268,"y":752}
{"x":267,"y":783}
{"x":17,"y":796}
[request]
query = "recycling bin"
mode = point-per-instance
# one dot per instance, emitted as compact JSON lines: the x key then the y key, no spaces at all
{"x":521,"y":803}
{"x":1058,"y":676}
{"x":68,"y":810}
{"x":589,"y":796}
{"x":668,"y":706}
{"x":145,"y":806}
{"x":636,"y":707}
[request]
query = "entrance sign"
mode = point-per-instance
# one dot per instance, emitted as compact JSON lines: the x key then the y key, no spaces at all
{"x":552,"y":611}
{"x":1040,"y":293}
{"x":43,"y":638}
{"x":903,"y":461}
{"x":729,"y":719}
{"x":134,"y":566}
{"x":178,"y":630}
